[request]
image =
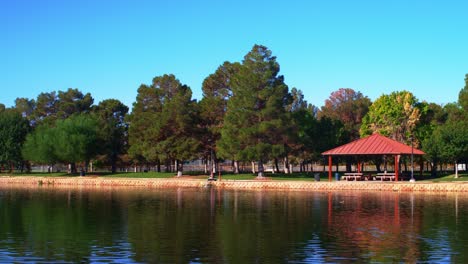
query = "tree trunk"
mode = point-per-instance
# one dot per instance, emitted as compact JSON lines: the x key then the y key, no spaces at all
{"x":260,"y":169}
{"x":253,"y":167}
{"x":71,"y":168}
{"x":177,"y":168}
{"x":286,"y":165}
{"x":236,"y":167}
{"x":213,"y":163}
{"x":159,"y":166}
{"x":456,"y":170}
{"x":113,"y":165}
{"x":276,"y":165}
{"x":167,"y":163}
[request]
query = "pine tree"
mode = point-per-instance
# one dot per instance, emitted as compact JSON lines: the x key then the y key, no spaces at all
{"x":216,"y":93}
{"x":256,"y":117}
{"x":163,"y":125}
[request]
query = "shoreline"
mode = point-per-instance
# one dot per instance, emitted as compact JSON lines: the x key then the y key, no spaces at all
{"x":155,"y":183}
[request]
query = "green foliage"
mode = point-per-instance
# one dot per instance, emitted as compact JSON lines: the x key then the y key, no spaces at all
{"x":52,"y":106}
{"x":71,"y":140}
{"x":25,"y":107}
{"x":454,"y":141}
{"x":73,"y":101}
{"x":13,"y":131}
{"x":40,"y":146}
{"x":395,"y":115}
{"x":256,"y":116}
{"x":163,"y":122}
{"x":110,"y":115}
{"x":463,"y":96}
{"x":216,"y":93}
{"x":77,"y":138}
{"x":347,"y":106}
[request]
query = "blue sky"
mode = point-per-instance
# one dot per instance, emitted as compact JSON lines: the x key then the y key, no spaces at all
{"x":109,"y":48}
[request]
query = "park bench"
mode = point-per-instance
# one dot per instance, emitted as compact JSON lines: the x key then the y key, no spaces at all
{"x":356,"y":176}
{"x":385,"y":176}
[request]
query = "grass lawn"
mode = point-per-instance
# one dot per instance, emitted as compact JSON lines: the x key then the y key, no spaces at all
{"x":297,"y":176}
{"x":451,"y":178}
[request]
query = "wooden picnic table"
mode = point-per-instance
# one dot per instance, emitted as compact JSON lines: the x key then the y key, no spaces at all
{"x":385,"y":176}
{"x":357,"y":176}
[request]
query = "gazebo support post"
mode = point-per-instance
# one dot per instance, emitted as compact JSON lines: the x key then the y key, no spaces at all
{"x":359,"y":167}
{"x":330,"y":168}
{"x":397,"y":160}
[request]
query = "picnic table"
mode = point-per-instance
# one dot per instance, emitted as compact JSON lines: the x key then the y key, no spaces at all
{"x":385,"y":176}
{"x":357,"y":176}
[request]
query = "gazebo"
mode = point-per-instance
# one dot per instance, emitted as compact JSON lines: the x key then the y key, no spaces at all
{"x":375,"y":144}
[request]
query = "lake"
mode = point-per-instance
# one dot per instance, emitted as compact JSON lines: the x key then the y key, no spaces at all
{"x":226,"y":226}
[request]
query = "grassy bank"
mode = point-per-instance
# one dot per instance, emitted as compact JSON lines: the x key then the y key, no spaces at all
{"x":303,"y":176}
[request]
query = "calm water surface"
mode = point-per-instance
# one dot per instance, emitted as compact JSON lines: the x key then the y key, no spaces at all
{"x":215,"y":226}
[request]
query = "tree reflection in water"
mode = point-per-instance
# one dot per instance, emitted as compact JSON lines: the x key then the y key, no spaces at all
{"x":212,"y":226}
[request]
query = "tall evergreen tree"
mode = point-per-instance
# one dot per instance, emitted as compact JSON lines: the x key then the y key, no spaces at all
{"x":13,"y":131}
{"x":463,"y":96}
{"x":163,"y":123}
{"x":110,"y":114}
{"x":256,"y":113}
{"x":216,"y":93}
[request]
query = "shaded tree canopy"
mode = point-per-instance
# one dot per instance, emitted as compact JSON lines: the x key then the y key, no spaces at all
{"x":256,"y":113}
{"x":349,"y":107}
{"x":395,"y":115}
{"x":110,"y":115}
{"x":163,"y":122}
{"x":216,"y":93}
{"x":69,"y":141}
{"x":463,"y":96}
{"x":13,"y":131}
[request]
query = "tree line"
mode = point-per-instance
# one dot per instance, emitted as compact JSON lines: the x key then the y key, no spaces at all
{"x":247,"y":114}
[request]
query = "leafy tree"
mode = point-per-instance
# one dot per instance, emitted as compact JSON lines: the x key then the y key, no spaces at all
{"x":395,"y":115}
{"x":432,"y":117}
{"x":110,"y":114}
{"x":163,"y":123}
{"x":40,"y":146}
{"x":145,"y":110}
{"x":216,"y":93}
{"x":454,"y":142}
{"x":73,"y":101}
{"x":300,"y":136}
{"x":349,"y":107}
{"x":256,"y":114}
{"x":454,"y":112}
{"x":52,"y":106}
{"x":304,"y":133}
{"x":25,"y":107}
{"x":2,"y":108}
{"x":70,"y":141}
{"x":463,"y":96}
{"x":13,"y":131}
{"x":76,"y":139}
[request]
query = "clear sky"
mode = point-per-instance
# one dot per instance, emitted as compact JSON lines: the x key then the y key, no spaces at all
{"x":109,"y":48}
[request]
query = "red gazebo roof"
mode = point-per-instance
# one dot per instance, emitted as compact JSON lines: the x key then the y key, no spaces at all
{"x":375,"y":144}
